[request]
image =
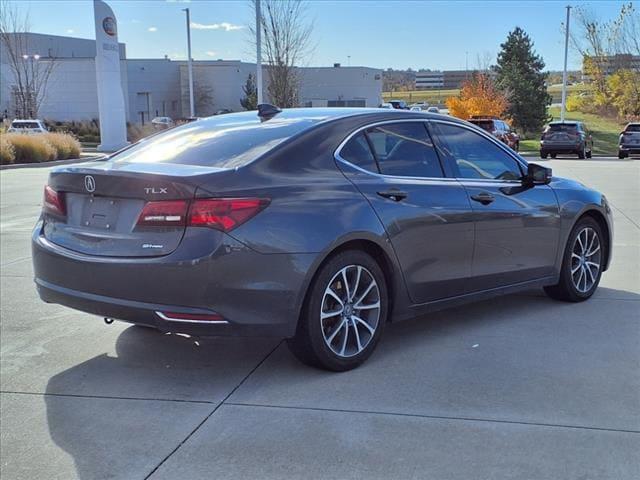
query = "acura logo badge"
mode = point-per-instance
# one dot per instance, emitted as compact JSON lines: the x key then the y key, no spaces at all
{"x":90,"y":183}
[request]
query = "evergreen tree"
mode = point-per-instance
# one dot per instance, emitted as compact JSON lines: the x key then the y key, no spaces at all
{"x":520,"y":76}
{"x":250,"y":100}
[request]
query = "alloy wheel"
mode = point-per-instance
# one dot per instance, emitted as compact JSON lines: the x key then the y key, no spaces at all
{"x":350,"y":311}
{"x":586,"y":257}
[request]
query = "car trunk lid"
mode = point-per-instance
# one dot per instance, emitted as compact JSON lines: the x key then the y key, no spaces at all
{"x":104,"y":203}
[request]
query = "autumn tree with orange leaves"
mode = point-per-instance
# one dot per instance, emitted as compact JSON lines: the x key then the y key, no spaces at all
{"x":478,"y":96}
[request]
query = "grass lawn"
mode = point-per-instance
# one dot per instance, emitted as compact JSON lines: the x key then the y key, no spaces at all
{"x":605,"y":132}
{"x":439,"y":96}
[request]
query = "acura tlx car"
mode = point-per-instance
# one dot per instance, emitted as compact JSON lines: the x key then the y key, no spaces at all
{"x":318,"y":225}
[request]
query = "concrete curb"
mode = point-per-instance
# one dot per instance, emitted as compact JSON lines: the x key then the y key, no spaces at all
{"x":52,"y":164}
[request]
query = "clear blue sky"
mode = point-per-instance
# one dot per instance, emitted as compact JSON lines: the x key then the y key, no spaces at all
{"x":377,"y":33}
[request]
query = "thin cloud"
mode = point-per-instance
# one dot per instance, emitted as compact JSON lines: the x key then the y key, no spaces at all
{"x":211,"y":53}
{"x":178,"y":1}
{"x":70,"y":30}
{"x":226,"y":26}
{"x":152,"y":29}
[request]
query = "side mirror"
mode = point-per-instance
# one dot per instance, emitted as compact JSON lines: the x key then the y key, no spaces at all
{"x":538,"y":175}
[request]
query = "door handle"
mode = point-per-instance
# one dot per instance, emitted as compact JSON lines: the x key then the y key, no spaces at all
{"x":484,"y":198}
{"x":393,"y":194}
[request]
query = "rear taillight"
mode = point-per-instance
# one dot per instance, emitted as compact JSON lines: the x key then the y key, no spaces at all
{"x":53,"y":202}
{"x":224,"y":213}
{"x":220,"y":213}
{"x":164,"y":214}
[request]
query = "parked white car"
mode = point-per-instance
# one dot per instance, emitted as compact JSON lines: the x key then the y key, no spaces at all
{"x":162,"y":123}
{"x":386,"y":105}
{"x":433,"y":110}
{"x":27,"y":126}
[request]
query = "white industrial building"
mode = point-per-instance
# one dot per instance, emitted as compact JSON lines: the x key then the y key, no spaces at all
{"x":155,"y":87}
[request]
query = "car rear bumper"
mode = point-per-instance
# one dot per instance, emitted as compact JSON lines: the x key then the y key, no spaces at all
{"x":630,"y":149}
{"x":254,"y":294}
{"x":561,"y":147}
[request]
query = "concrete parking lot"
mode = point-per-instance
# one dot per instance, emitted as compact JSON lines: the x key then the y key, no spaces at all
{"x":521,"y":387}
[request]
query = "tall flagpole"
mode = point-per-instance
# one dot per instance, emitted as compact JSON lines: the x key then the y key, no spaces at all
{"x":564,"y":73}
{"x":258,"y":53}
{"x":192,"y":110}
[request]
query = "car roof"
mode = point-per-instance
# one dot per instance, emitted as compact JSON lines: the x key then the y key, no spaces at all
{"x":570,"y":122}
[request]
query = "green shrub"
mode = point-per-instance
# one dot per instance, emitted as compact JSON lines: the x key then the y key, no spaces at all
{"x":7,"y":153}
{"x":30,"y":148}
{"x":66,"y":145}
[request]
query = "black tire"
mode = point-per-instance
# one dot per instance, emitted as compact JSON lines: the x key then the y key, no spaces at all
{"x":544,"y":155}
{"x":565,"y":289}
{"x":517,"y":147}
{"x":582,"y":153}
{"x":622,"y":155}
{"x":554,"y":155}
{"x":309,"y":344}
{"x":589,"y":154}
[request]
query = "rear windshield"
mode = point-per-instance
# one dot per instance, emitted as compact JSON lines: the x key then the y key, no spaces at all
{"x":227,"y":141}
{"x":484,"y":124}
{"x":25,"y":125}
{"x":563,"y":127}
{"x":633,"y":128}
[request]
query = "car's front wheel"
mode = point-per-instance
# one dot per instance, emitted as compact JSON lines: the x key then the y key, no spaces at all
{"x":582,"y":263}
{"x":344,"y":313}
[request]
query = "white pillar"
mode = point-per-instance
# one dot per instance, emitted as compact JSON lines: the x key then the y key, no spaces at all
{"x":192,"y":109}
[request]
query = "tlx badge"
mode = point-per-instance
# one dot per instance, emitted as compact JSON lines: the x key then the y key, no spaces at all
{"x":154,"y":190}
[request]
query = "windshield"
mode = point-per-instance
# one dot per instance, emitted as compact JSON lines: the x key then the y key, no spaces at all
{"x":25,"y":125}
{"x":223,"y":142}
{"x":484,"y":124}
{"x":633,"y":128}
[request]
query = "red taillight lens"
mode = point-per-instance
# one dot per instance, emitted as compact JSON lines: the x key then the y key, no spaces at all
{"x":53,"y":202}
{"x":224,"y":213}
{"x":164,"y":214}
{"x":221,"y":213}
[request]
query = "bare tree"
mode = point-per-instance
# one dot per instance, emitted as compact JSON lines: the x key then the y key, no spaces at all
{"x":31,"y":71}
{"x":286,"y":34}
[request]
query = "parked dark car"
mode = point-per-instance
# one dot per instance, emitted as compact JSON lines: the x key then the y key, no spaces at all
{"x":499,"y":129}
{"x":399,"y":104}
{"x":566,"y":138}
{"x":319,"y":225}
{"x":629,"y":141}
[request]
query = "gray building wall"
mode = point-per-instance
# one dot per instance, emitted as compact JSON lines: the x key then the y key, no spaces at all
{"x":153,"y":89}
{"x":340,"y":86}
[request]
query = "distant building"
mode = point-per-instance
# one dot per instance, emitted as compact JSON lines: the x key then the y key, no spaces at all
{"x":159,"y":87}
{"x":447,"y":80}
{"x":611,"y":63}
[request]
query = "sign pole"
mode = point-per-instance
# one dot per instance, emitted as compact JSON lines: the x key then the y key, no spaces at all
{"x":564,"y":72}
{"x":192,"y":110}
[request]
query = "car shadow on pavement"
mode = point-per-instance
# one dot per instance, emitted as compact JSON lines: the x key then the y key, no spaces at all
{"x":112,"y":435}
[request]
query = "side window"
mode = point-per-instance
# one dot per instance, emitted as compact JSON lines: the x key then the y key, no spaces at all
{"x":405,"y":149}
{"x":476,"y":156}
{"x":357,"y":152}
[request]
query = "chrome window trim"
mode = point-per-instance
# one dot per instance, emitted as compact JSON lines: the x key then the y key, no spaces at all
{"x":522,"y":163}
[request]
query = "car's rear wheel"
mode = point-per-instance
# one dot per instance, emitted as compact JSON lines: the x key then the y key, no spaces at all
{"x":621,"y":155}
{"x":582,"y":263}
{"x":582,"y":153}
{"x":554,"y":155}
{"x":344,"y":313}
{"x":543,"y":154}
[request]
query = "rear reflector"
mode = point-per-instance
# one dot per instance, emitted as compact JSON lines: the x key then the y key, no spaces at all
{"x":220,"y":213}
{"x":53,"y":202}
{"x":191,"y":317}
{"x":164,"y":214}
{"x":224,"y":213}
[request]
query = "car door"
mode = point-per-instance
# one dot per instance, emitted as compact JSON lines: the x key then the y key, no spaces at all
{"x":427,"y":216}
{"x":517,"y":227}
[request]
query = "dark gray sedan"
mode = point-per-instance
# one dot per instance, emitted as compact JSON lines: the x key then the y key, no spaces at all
{"x":319,"y":225}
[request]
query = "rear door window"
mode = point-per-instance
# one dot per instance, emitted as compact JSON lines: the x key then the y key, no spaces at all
{"x":405,"y":149}
{"x":357,"y":152}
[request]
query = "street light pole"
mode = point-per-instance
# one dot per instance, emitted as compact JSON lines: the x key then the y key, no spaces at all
{"x":564,"y":72}
{"x":192,"y":110}
{"x":258,"y":53}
